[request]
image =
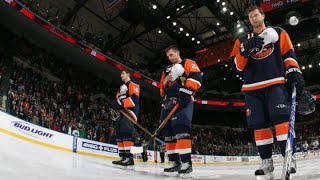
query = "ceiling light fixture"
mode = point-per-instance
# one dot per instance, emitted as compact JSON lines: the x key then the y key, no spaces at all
{"x":154,"y":6}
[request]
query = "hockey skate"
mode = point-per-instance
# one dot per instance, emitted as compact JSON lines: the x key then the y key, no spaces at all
{"x":127,"y":162}
{"x":118,"y":161}
{"x":173,"y":170}
{"x":186,"y":170}
{"x":293,"y":168}
{"x":265,"y":171}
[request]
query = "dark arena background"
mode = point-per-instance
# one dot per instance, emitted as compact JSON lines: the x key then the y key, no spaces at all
{"x":60,"y":65}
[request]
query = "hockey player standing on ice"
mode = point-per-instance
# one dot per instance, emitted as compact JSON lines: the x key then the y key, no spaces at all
{"x":269,"y":67}
{"x":179,"y":82}
{"x":127,"y":99}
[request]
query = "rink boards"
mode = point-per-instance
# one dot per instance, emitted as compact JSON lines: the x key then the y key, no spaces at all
{"x":56,"y":140}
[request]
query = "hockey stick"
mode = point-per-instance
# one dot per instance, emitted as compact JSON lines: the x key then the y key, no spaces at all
{"x":135,"y":149}
{"x":137,"y":124}
{"x":289,"y":147}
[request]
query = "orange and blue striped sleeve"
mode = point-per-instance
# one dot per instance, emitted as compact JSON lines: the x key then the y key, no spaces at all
{"x":194,"y":75}
{"x":238,"y":61}
{"x":287,"y":51}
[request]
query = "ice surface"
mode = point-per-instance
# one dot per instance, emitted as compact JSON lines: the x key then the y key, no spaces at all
{"x":20,"y":159}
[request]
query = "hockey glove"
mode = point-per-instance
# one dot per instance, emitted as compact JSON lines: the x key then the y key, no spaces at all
{"x":253,"y":44}
{"x":169,"y":103}
{"x":117,"y":105}
{"x":294,"y":76}
{"x":184,"y":97}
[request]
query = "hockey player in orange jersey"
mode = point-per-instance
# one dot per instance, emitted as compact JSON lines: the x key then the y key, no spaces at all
{"x":127,"y":98}
{"x":267,"y":61}
{"x":179,"y":82}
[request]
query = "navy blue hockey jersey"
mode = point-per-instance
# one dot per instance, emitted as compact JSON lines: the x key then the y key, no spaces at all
{"x":265,"y":68}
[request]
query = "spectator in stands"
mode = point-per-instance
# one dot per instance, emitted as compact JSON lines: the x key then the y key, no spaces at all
{"x":48,"y":92}
{"x":103,"y":139}
{"x":75,"y":131}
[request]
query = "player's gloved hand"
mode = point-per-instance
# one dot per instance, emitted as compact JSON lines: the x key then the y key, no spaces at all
{"x":184,"y":97}
{"x":123,"y":89}
{"x":117,"y":105}
{"x":253,"y":44}
{"x":169,"y":103}
{"x":294,"y":76}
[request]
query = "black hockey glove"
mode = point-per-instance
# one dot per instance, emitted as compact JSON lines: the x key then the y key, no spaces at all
{"x":294,"y":76}
{"x":169,"y":103}
{"x":253,"y":44}
{"x":117,"y":105}
{"x":184,"y":97}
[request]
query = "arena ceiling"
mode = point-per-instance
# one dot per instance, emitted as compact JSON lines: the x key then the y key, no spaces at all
{"x":137,"y":31}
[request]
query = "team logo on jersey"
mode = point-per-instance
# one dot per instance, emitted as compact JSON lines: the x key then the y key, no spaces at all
{"x":265,"y":52}
{"x":248,"y":112}
{"x":281,"y":106}
{"x":136,"y":89}
{"x":194,"y":67}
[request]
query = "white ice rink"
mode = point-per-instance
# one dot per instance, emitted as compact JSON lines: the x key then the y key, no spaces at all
{"x":20,"y":159}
